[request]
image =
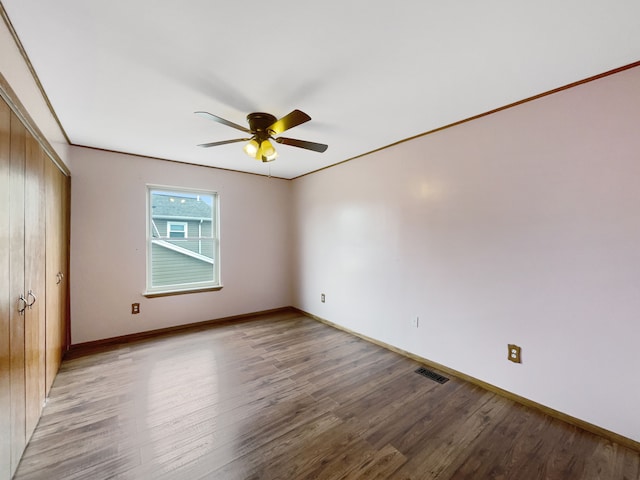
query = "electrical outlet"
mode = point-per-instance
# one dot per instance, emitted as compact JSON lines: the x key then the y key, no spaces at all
{"x":515,"y":353}
{"x":135,"y":308}
{"x":322,"y":297}
{"x":415,"y":322}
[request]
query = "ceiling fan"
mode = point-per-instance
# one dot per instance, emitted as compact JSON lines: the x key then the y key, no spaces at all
{"x":262,"y":128}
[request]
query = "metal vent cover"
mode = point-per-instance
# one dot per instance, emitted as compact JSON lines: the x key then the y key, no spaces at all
{"x":432,"y":375}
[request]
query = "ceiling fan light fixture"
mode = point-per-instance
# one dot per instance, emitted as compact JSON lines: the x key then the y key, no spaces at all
{"x":252,"y":148}
{"x":266,"y":152}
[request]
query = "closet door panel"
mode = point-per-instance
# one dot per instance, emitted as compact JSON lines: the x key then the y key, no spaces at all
{"x":55,"y":282}
{"x":16,"y":288}
{"x":64,"y":260}
{"x":6,"y":303}
{"x":34,"y":283}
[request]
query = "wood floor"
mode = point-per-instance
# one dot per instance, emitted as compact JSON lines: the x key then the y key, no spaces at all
{"x":285,"y":397}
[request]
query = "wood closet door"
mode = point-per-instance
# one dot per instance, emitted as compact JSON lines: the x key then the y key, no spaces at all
{"x":56,"y":278}
{"x":16,"y":288}
{"x":32,"y":341}
{"x":34,"y":240}
{"x":65,"y":253}
{"x":6,"y":303}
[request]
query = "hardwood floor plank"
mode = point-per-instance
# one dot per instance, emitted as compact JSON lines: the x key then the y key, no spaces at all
{"x":381,"y":465}
{"x":282,"y":396}
{"x":271,"y":458}
{"x":448,"y":446}
{"x":426,"y":415}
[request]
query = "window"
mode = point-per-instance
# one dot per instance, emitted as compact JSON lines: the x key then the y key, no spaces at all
{"x":182,"y":241}
{"x":177,"y":229}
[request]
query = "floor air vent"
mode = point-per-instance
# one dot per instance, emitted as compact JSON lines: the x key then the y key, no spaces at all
{"x":432,"y":375}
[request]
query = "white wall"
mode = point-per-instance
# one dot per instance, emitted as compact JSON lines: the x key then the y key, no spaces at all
{"x":17,"y":74}
{"x":108,"y":245}
{"x":521,"y":227}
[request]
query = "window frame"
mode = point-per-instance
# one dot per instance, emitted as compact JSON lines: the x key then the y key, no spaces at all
{"x":182,"y":288}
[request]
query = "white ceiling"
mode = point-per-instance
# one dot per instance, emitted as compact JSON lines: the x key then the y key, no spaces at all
{"x":127,"y":75}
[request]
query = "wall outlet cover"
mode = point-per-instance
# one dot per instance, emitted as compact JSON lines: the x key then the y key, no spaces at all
{"x":514,"y":353}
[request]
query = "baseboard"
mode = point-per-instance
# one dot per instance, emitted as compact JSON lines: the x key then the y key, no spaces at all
{"x":609,"y":435}
{"x":86,"y":348}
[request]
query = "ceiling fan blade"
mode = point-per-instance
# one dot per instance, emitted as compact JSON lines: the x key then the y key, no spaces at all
{"x":215,"y":118}
{"x":223,"y":142}
{"x":290,"y":120}
{"x":316,"y":147}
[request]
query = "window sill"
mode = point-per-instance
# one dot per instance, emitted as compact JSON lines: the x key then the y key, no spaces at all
{"x":181,"y":292}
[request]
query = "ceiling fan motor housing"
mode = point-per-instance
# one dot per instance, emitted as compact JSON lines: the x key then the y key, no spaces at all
{"x":259,"y":124}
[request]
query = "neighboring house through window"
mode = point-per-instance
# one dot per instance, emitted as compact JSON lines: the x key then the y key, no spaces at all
{"x":182,"y":243}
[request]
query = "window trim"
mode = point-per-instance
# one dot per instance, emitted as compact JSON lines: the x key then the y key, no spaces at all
{"x":184,"y":288}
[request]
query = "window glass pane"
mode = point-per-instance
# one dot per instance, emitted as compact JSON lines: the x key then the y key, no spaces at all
{"x":183,"y":242}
